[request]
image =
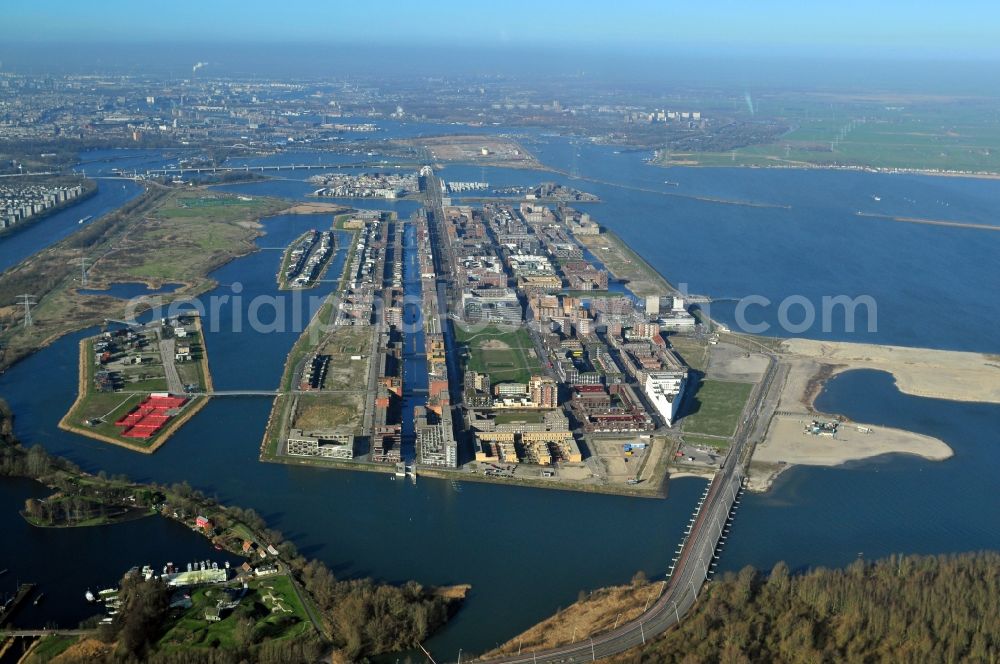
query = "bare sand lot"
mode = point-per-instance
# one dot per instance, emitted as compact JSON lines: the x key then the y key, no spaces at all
{"x":314,"y":208}
{"x":787,"y":444}
{"x":729,"y":362}
{"x":474,"y":149}
{"x":924,"y":372}
{"x":957,"y":376}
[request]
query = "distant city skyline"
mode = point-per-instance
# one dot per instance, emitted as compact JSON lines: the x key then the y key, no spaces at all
{"x":895,"y":28}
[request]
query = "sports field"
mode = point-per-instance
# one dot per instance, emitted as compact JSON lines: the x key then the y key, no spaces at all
{"x":506,"y":355}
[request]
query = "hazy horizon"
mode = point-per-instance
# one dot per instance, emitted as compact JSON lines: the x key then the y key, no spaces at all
{"x":704,"y":69}
{"x":851,"y":45}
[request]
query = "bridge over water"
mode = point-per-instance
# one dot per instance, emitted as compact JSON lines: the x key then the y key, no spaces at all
{"x":198,"y":170}
{"x":694,"y":562}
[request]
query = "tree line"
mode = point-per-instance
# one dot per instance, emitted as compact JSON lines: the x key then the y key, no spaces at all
{"x":901,"y":609}
{"x":361,"y":617}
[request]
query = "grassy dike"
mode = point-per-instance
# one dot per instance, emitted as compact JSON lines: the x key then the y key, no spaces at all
{"x":625,"y":264}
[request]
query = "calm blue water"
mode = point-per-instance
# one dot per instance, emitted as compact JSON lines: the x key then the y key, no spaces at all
{"x":300,"y":191}
{"x":65,"y":562}
{"x":248,"y":299}
{"x":20,"y":244}
{"x":104,"y":162}
{"x":128,"y":290}
{"x":816,"y":247}
{"x":414,"y":360}
{"x":892,"y":504}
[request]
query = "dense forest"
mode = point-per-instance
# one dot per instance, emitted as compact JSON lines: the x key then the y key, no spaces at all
{"x":360,"y":617}
{"x":901,"y":609}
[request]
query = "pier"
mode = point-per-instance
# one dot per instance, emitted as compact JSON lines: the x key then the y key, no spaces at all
{"x":10,"y":606}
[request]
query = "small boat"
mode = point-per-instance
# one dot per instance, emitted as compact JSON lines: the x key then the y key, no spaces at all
{"x":876,"y":198}
{"x":86,"y":219}
{"x":90,"y":596}
{"x":38,"y":600}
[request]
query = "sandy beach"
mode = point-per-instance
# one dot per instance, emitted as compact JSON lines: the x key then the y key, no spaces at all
{"x":924,"y":372}
{"x":957,"y":376}
{"x":705,"y":475}
{"x":787,"y":444}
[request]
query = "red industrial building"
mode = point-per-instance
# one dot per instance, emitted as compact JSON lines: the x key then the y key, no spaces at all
{"x":146,"y":419}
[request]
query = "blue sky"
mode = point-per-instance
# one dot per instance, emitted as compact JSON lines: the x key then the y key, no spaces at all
{"x":963,"y":29}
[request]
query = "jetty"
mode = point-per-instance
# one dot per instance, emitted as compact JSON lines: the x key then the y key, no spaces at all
{"x":10,"y":606}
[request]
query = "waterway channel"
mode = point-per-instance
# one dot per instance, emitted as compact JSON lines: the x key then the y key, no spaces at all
{"x":21,"y":243}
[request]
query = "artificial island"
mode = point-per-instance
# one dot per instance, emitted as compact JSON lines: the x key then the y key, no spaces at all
{"x":514,"y":341}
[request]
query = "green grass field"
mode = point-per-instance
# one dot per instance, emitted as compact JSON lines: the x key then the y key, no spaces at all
{"x":271,"y":604}
{"x":505,"y":355}
{"x":340,"y":219}
{"x":108,"y":406}
{"x":197,"y":205}
{"x":912,"y":133}
{"x":715,"y":408}
{"x":49,"y":647}
{"x":693,"y":351}
{"x":186,"y":234}
{"x":328,"y":411}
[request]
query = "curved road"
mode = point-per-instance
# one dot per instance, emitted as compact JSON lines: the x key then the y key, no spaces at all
{"x":690,"y":570}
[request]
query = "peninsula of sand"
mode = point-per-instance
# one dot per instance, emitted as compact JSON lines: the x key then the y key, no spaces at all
{"x":940,"y":374}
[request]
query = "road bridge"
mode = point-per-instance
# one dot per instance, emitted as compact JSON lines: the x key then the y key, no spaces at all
{"x":199,"y":170}
{"x":249,"y":393}
{"x":4,"y":633}
{"x":694,"y":563}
